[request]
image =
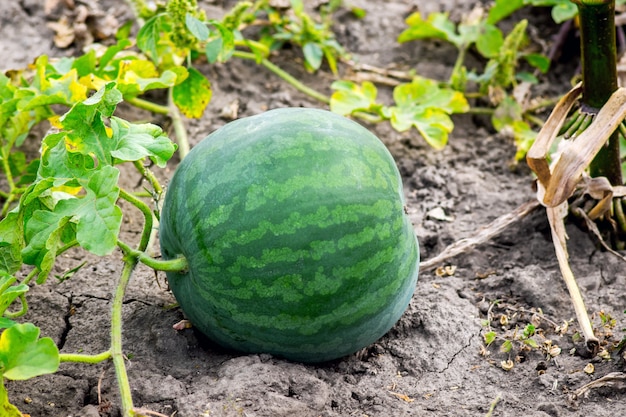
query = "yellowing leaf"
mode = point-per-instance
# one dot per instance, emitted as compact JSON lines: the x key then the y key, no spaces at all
{"x":55,"y":121}
{"x":93,"y":82}
{"x":138,"y":67}
{"x":193,"y":95}
{"x":350,"y":97}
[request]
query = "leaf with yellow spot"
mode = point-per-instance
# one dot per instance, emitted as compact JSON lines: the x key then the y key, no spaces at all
{"x":132,"y":83}
{"x":93,"y":82}
{"x":193,"y":95}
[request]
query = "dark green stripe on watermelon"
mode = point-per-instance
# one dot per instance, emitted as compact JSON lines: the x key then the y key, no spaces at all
{"x":293,"y":225}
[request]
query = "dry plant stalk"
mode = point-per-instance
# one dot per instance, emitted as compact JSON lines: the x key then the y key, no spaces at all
{"x":480,"y":236}
{"x":558,"y":181}
{"x":613,"y":379}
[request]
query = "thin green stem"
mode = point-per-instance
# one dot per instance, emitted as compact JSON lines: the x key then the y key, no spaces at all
{"x":32,"y":274}
{"x":179,"y":126}
{"x":284,"y":75}
{"x":81,"y":358}
{"x":22,"y":312}
{"x":148,"y":105}
{"x":170,"y":265}
{"x":143,"y":194}
{"x":368,"y":117}
{"x":147,"y":214}
{"x":458,"y":64}
{"x":481,"y":110}
{"x":148,"y":175}
{"x":537,"y":121}
{"x":116,"y":352}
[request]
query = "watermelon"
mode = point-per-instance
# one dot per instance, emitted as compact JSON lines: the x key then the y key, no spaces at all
{"x":293,"y":226}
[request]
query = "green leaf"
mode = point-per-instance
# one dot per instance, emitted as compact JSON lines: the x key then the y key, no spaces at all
{"x":9,"y":292}
{"x":437,"y":25}
{"x":531,"y":342}
{"x":313,"y":55}
{"x":350,"y":97}
{"x":529,"y":330}
{"x":424,"y":105}
{"x":86,"y":63}
{"x":563,"y":11}
{"x":220,"y":48}
{"x":524,"y":137}
{"x":11,"y":243}
{"x":198,"y":28}
{"x":193,"y":95}
{"x":131,"y":84}
{"x":98,"y":218}
{"x":506,"y":346}
{"x":490,"y":41}
{"x":213,"y":49}
{"x":508,"y":111}
{"x":502,"y":9}
{"x":489,"y":337}
{"x":43,"y":233}
{"x":426,"y":93}
{"x":6,"y":323}
{"x":526,"y":77}
{"x":59,"y":162}
{"x":105,"y":100}
{"x":133,"y":142}
{"x":84,"y":144}
{"x":434,"y":125}
{"x":24,"y":355}
{"x":149,"y":35}
{"x":17,"y":163}
{"x":112,"y":51}
{"x":539,"y":61}
{"x":92,"y":219}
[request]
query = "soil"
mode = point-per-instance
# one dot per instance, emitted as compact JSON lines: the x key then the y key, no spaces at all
{"x":434,"y":361}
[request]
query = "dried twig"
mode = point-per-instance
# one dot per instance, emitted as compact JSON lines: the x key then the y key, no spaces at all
{"x":614,"y":379}
{"x":144,"y":412}
{"x":593,"y":228}
{"x":481,"y":236}
{"x":556,"y":216}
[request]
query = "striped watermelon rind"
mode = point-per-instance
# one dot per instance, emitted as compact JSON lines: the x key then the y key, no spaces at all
{"x":293,"y":226}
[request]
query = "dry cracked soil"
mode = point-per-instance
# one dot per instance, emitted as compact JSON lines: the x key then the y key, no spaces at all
{"x":434,"y":361}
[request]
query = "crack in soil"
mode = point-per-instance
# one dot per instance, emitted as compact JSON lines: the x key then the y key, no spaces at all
{"x":66,"y":319}
{"x":467,"y":345}
{"x":137,"y":300}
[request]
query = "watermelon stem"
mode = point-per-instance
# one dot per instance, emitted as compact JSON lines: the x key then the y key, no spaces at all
{"x":171,"y":265}
{"x":117,"y":354}
{"x":148,"y":175}
{"x":147,"y":214}
{"x":81,"y":358}
{"x":139,"y":254}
